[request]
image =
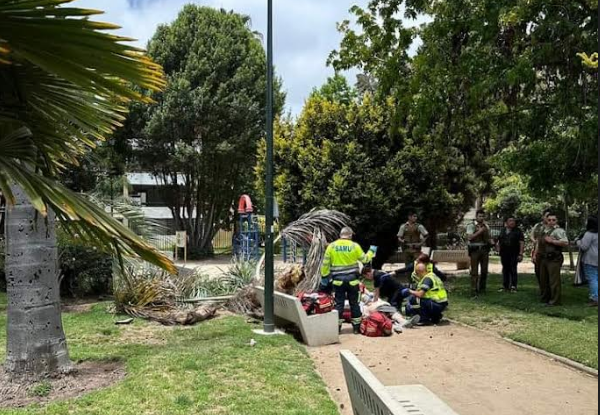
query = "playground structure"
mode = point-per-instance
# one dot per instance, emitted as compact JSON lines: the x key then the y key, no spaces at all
{"x":292,"y":252}
{"x":247,"y":237}
{"x":246,"y":241}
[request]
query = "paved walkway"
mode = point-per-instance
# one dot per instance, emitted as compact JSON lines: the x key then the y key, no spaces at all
{"x":219,"y":264}
{"x":475,"y":373}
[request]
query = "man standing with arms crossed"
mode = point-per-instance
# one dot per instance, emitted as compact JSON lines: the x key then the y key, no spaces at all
{"x":341,"y":266}
{"x":550,"y":254}
{"x":412,"y":236}
{"x":480,"y":239}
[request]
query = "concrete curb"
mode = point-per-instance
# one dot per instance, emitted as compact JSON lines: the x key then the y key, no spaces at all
{"x":563,"y":360}
{"x":568,"y":362}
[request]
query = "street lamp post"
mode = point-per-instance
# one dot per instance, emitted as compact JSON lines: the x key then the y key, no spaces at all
{"x":269,"y":322}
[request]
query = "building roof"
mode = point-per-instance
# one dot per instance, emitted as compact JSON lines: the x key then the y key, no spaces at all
{"x":148,"y":179}
{"x":160,"y":213}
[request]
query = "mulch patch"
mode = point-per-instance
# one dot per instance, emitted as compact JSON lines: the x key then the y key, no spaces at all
{"x":86,"y":377}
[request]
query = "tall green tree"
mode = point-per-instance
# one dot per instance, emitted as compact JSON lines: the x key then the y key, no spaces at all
{"x":489,"y":77}
{"x":64,"y":85}
{"x":201,"y":135}
{"x":340,"y":155}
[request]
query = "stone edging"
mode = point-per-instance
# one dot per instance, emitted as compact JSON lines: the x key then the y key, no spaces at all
{"x":565,"y":361}
{"x":568,"y":362}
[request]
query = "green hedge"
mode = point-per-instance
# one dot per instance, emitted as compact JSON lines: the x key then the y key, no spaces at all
{"x":86,"y":271}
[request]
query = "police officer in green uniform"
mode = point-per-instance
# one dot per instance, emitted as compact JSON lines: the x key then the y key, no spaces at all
{"x":412,"y":236}
{"x":536,"y":234}
{"x":550,"y":254}
{"x":340,"y":266}
{"x":480,"y":239}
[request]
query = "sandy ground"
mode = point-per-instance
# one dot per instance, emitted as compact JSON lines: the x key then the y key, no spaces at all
{"x":475,"y":373}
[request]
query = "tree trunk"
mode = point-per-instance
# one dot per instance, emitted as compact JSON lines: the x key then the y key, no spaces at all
{"x":36,"y":343}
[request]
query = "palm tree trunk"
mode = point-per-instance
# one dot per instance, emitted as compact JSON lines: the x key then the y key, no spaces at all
{"x":36,"y":343}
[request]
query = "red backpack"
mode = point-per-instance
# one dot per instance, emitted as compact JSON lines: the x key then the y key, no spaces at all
{"x":377,"y":325}
{"x":316,"y":303}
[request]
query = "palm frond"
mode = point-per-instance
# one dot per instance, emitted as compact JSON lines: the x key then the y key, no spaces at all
{"x":79,"y":215}
{"x":312,"y":231}
{"x":329,"y":222}
{"x":65,"y":83}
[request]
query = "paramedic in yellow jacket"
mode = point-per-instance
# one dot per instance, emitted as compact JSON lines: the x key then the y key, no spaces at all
{"x":340,"y":267}
{"x":430,"y":299}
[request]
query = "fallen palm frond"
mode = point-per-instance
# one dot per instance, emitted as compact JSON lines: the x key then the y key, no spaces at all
{"x":314,"y":260}
{"x":287,"y":281}
{"x":245,"y":303}
{"x":313,"y":232}
{"x":171,"y":316}
{"x":239,"y":275}
{"x":329,"y":222}
{"x":145,"y":291}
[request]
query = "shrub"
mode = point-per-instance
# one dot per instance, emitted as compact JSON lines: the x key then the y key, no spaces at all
{"x":85,"y":270}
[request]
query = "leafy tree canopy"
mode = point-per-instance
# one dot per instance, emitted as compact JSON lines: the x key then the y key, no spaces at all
{"x":489,"y":77}
{"x":341,"y":156}
{"x":201,"y":135}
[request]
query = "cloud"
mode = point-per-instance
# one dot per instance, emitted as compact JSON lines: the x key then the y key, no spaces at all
{"x":305,"y":32}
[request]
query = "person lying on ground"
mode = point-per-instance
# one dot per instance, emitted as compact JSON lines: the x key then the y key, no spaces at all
{"x":400,"y":322}
{"x":430,"y":299}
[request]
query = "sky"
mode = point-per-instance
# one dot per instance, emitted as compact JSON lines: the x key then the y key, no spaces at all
{"x":305,"y":32}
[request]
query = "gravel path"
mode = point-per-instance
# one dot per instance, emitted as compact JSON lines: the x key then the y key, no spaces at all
{"x":475,"y":373}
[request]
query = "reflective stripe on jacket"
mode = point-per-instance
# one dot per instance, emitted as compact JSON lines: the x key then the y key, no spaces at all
{"x":342,"y":258}
{"x":438,"y":292}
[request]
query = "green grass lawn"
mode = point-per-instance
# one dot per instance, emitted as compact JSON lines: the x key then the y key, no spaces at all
{"x":570,"y":331}
{"x":208,"y":369}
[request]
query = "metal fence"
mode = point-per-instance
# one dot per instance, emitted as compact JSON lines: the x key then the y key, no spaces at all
{"x":222,"y":242}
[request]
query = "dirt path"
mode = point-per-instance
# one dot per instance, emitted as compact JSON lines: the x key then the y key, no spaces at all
{"x":475,"y":373}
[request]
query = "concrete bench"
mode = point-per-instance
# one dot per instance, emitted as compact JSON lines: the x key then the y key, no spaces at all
{"x":317,"y":330}
{"x":370,"y":397}
{"x":459,"y":257}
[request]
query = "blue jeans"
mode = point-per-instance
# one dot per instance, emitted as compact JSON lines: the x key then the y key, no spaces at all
{"x":591,"y":273}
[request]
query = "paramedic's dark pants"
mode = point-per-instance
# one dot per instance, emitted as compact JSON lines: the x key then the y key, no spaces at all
{"x":429,"y":310}
{"x":347,"y":287}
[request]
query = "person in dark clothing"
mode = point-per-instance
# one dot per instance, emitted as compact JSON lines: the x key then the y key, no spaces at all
{"x":386,"y":286}
{"x":511,"y":245}
{"x":422,"y":259}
